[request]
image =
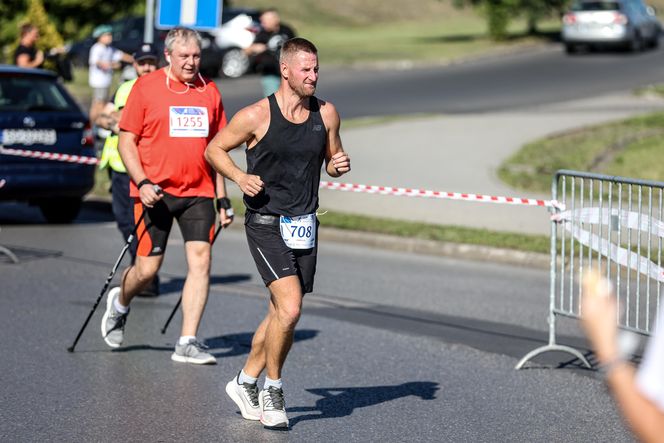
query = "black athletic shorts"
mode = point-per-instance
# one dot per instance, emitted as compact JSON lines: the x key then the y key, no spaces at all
{"x":273,"y":258}
{"x":195,"y":216}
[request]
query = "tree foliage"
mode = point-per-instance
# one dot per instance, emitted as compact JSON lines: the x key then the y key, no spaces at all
{"x":71,"y":19}
{"x":49,"y":35}
{"x":499,"y":13}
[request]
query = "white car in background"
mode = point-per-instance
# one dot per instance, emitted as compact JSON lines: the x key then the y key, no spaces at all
{"x":236,"y":33}
{"x":630,"y":24}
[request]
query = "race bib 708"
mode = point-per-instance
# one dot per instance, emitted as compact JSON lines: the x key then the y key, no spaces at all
{"x":299,"y":232}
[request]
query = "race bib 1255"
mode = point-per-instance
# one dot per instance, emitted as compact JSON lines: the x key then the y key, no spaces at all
{"x":188,"y":121}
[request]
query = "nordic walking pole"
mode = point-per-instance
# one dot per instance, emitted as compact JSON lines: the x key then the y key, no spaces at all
{"x":177,"y":305}
{"x":110,"y":276}
{"x":108,"y":281}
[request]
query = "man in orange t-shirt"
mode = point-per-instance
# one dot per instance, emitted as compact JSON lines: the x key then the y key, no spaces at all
{"x":170,"y":117}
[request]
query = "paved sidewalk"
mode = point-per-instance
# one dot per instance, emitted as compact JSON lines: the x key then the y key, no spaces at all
{"x":460,"y":153}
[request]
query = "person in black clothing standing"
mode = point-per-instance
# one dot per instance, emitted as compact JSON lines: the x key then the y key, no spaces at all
{"x":289,"y":135}
{"x":26,"y":54}
{"x":266,"y":47}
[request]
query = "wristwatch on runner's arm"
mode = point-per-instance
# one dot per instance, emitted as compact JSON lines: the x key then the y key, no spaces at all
{"x":225,"y":203}
{"x":144,"y":182}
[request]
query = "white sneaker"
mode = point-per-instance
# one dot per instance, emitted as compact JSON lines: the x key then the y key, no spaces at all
{"x":113,"y":322}
{"x":193,"y":352}
{"x":245,"y":396}
{"x":273,"y":408}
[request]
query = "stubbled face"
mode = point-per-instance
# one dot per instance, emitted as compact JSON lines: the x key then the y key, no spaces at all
{"x":145,"y":66}
{"x":185,"y":60}
{"x":301,"y":72}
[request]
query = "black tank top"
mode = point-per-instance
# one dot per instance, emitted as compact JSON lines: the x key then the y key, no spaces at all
{"x":288,"y":159}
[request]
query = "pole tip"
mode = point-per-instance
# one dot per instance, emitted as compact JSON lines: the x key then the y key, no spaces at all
{"x":70,"y":349}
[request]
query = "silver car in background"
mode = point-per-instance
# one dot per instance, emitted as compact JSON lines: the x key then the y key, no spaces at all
{"x":629,"y":24}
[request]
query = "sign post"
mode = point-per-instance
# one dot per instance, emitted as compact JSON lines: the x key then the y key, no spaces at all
{"x":148,"y":28}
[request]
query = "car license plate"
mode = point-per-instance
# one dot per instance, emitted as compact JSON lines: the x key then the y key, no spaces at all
{"x":28,"y":137}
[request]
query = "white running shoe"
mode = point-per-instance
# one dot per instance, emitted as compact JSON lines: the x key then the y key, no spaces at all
{"x":193,"y":352}
{"x":273,"y":408}
{"x":113,"y":322}
{"x":245,"y":396}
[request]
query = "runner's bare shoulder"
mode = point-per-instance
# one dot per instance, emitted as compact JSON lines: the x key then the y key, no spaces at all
{"x":254,"y":116}
{"x":329,"y":113}
{"x":253,"y":121}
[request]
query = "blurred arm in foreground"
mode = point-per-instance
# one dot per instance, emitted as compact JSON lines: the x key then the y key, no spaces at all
{"x":639,"y":393}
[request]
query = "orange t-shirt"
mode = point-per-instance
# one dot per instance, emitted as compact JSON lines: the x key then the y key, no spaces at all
{"x":173,"y":131}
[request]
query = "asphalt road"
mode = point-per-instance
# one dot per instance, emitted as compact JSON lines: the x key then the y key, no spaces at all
{"x":533,"y":77}
{"x":391,"y":347}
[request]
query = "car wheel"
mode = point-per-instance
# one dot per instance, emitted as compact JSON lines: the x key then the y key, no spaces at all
{"x":60,"y":210}
{"x":654,"y":43}
{"x":234,"y":63}
{"x":570,"y":48}
{"x":636,"y":44}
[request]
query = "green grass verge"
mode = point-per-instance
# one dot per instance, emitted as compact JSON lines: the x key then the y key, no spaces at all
{"x":628,"y":148}
{"x":405,"y":43}
{"x":80,"y":89}
{"x":656,"y":90}
{"x":453,"y":234}
{"x":370,"y":31}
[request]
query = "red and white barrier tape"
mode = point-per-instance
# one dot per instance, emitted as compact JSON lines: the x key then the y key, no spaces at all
{"x":368,"y":189}
{"x":407,"y":192}
{"x":50,"y":156}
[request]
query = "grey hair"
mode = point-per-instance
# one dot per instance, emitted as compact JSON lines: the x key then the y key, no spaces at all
{"x":183,"y":34}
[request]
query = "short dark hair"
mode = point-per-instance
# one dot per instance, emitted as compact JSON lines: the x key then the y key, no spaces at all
{"x":26,"y":28}
{"x":297,"y":44}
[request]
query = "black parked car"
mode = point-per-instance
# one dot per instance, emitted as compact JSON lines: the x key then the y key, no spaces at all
{"x":38,"y":114}
{"x":128,"y":35}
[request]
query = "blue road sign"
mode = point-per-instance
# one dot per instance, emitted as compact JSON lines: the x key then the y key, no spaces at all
{"x":197,"y":14}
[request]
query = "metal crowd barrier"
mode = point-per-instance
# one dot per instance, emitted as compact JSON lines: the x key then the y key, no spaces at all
{"x":614,"y":224}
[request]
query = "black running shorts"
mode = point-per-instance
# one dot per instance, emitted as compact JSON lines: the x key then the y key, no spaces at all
{"x":273,"y":258}
{"x":195,"y":216}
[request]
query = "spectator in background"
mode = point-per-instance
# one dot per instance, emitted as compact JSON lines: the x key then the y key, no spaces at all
{"x":26,"y":54}
{"x":104,"y":59}
{"x":266,"y":49}
{"x":639,"y":393}
{"x":145,"y":61}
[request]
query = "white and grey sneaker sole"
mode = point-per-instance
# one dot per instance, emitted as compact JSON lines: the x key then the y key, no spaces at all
{"x":270,"y":425}
{"x":195,"y":361}
{"x":104,"y":333}
{"x":230,"y":390}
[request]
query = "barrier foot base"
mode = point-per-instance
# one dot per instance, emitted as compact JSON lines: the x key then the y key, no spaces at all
{"x":551,"y":348}
{"x":9,"y":254}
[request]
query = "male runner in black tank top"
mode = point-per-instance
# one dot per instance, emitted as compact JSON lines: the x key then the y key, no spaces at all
{"x":288,"y":136}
